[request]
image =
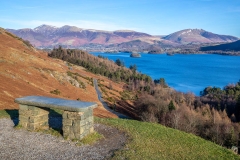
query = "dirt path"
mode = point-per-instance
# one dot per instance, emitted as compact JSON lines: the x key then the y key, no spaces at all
{"x":21,"y":144}
{"x":120,"y":115}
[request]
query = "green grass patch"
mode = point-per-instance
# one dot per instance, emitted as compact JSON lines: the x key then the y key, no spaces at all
{"x":18,"y":126}
{"x":89,"y":139}
{"x":7,"y":113}
{"x":154,"y":141}
{"x":51,"y":131}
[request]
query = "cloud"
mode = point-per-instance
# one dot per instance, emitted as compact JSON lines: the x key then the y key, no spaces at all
{"x":78,"y":23}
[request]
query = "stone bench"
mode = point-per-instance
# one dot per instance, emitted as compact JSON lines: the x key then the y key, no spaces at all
{"x":77,"y":116}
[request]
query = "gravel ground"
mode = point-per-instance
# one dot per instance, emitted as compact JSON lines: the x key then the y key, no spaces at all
{"x":24,"y":145}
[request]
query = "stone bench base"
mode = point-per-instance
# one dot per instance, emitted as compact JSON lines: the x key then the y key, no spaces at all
{"x":32,"y":118}
{"x":76,"y":125}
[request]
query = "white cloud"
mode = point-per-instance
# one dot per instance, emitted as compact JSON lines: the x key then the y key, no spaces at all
{"x":78,"y":23}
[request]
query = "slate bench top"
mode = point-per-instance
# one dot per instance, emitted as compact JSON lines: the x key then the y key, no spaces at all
{"x":56,"y":103}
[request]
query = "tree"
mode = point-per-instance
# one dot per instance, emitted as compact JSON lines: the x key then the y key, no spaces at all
{"x":237,"y":109}
{"x":162,"y":82}
{"x":171,"y":106}
{"x":119,"y":63}
{"x":133,"y":68}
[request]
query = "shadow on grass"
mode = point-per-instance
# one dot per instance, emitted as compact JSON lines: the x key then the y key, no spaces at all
{"x":55,"y":118}
{"x":13,"y":115}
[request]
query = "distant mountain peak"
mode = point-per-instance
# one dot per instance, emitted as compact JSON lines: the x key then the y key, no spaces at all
{"x":68,"y":28}
{"x":188,"y":36}
{"x":124,"y":30}
{"x":45,"y":27}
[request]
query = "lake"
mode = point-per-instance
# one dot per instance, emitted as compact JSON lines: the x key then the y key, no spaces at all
{"x":185,"y":73}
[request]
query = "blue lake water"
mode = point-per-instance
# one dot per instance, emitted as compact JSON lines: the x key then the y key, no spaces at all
{"x":186,"y":73}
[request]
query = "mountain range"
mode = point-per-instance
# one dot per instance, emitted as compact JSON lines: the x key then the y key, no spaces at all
{"x":46,"y":36}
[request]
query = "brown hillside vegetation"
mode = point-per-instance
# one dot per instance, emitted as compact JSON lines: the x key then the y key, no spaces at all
{"x":26,"y":71}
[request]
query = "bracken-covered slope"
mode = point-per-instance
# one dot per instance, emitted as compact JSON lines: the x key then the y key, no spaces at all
{"x":26,"y":71}
{"x":198,"y":36}
{"x":234,"y":46}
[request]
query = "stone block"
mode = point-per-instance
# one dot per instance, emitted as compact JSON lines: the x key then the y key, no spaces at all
{"x":65,"y":114}
{"x":23,"y":124}
{"x":32,"y":111}
{"x":67,"y":122}
{"x":72,"y":115}
{"x":91,"y":130}
{"x":80,"y":115}
{"x":82,"y":123}
{"x":39,"y":118}
{"x":76,"y":130}
{"x":78,"y":122}
{"x":23,"y":118}
{"x":87,"y":113}
{"x":23,"y":107}
{"x":90,"y":119}
{"x":82,"y":130}
{"x":39,"y":125}
{"x":66,"y":129}
{"x":90,"y":113}
{"x":25,"y":112}
{"x":71,"y":134}
{"x":39,"y":110}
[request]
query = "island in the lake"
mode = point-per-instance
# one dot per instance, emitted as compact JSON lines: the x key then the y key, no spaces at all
{"x":135,"y":55}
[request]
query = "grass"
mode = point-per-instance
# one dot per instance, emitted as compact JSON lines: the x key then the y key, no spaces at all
{"x":89,"y":139}
{"x":9,"y":113}
{"x":51,"y":131}
{"x":154,"y":141}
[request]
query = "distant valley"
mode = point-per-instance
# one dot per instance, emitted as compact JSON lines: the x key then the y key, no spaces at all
{"x":46,"y":36}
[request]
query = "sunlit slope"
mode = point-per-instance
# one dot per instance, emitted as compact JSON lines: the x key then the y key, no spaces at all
{"x":27,"y":71}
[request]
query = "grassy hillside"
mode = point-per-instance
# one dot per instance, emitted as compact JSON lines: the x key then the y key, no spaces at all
{"x":154,"y":141}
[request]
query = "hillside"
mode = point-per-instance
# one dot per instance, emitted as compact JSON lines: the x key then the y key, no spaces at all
{"x":234,"y":46}
{"x":154,"y":141}
{"x":198,"y":36}
{"x":27,"y":71}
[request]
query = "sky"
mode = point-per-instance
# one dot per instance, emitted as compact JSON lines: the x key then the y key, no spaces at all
{"x":156,"y":17}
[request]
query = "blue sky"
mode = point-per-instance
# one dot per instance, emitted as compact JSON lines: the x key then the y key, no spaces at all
{"x":157,"y":17}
